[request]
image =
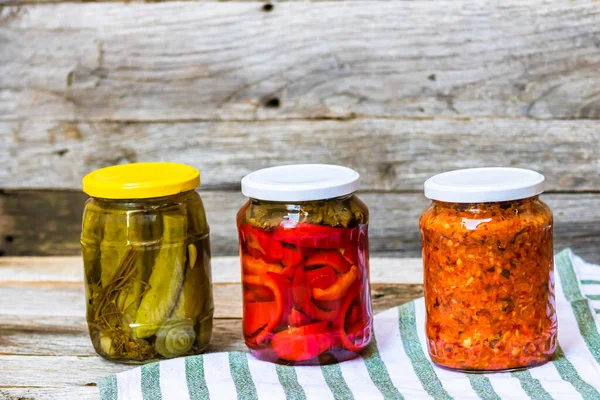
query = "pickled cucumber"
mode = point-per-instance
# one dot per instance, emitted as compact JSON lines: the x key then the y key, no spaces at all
{"x":148,"y":286}
{"x":114,"y":242}
{"x":166,"y":281}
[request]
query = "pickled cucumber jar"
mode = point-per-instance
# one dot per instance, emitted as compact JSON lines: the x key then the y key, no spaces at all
{"x":488,"y":270}
{"x":305,"y":265}
{"x":146,"y":255}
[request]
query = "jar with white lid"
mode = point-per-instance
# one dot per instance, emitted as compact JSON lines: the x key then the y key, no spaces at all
{"x":305,"y":265}
{"x":488,"y":270}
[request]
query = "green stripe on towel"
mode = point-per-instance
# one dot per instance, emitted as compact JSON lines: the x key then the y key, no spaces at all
{"x":379,"y":373}
{"x":483,"y":387}
{"x":151,"y":382}
{"x":567,"y":371}
{"x":579,"y":304}
{"x":589,"y":282}
{"x":108,"y":387}
{"x":531,"y":386}
{"x":196,"y":382}
{"x":422,"y":367}
{"x":240,"y":373}
{"x":338,"y":386}
{"x":289,"y":381}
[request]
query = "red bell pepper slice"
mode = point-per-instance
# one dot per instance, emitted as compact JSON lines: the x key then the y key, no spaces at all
{"x":257,"y":266}
{"x":289,"y":272}
{"x":292,"y":256}
{"x":301,"y":292}
{"x":316,"y":236}
{"x":351,"y":254}
{"x":303,"y":300}
{"x":358,"y":330}
{"x":332,"y":258}
{"x":298,"y":318}
{"x":257,"y":293}
{"x":354,"y":315}
{"x":319,"y":327}
{"x":281,"y":289}
{"x":339,"y":288}
{"x":328,"y":305}
{"x":321,"y":277}
{"x":302,"y":343}
{"x":324,"y":314}
{"x":254,"y":252}
{"x":258,"y":239}
{"x":257,"y":315}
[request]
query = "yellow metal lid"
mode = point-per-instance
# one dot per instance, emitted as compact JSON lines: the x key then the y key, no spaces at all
{"x":141,"y":180}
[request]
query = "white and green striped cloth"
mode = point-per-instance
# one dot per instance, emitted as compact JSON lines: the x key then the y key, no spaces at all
{"x":395,"y":366}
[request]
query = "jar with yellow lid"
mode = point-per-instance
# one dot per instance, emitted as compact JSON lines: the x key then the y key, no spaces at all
{"x":146,"y":254}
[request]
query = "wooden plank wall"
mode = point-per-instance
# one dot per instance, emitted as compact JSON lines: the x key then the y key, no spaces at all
{"x":397,"y":90}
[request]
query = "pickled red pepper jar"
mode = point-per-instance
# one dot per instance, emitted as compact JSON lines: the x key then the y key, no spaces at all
{"x":146,"y":254}
{"x":305,"y":265}
{"x":488,"y":270}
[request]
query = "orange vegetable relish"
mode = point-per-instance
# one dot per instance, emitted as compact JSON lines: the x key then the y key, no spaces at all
{"x":489,"y":284}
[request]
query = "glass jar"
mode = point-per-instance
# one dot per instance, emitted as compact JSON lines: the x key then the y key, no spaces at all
{"x":305,"y":265}
{"x":488,"y":270}
{"x":146,"y":254}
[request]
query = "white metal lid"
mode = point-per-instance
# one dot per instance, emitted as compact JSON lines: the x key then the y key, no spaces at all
{"x":300,"y":182}
{"x":480,"y":185}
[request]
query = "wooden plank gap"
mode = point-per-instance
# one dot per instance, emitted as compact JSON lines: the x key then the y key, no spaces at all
{"x":355,"y":117}
{"x":52,"y":284}
{"x":29,"y":386}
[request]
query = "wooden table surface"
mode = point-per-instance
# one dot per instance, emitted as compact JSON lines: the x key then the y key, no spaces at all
{"x":45,"y":351}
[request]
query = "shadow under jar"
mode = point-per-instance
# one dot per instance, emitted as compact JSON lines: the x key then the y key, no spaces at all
{"x":488,"y":270}
{"x":146,"y":253}
{"x":305,"y":265}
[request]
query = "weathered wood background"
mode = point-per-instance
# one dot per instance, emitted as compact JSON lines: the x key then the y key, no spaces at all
{"x":397,"y":90}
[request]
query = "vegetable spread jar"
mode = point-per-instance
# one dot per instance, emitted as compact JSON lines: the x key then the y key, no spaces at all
{"x":146,"y":257}
{"x":305,"y":265}
{"x":487,"y":255}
